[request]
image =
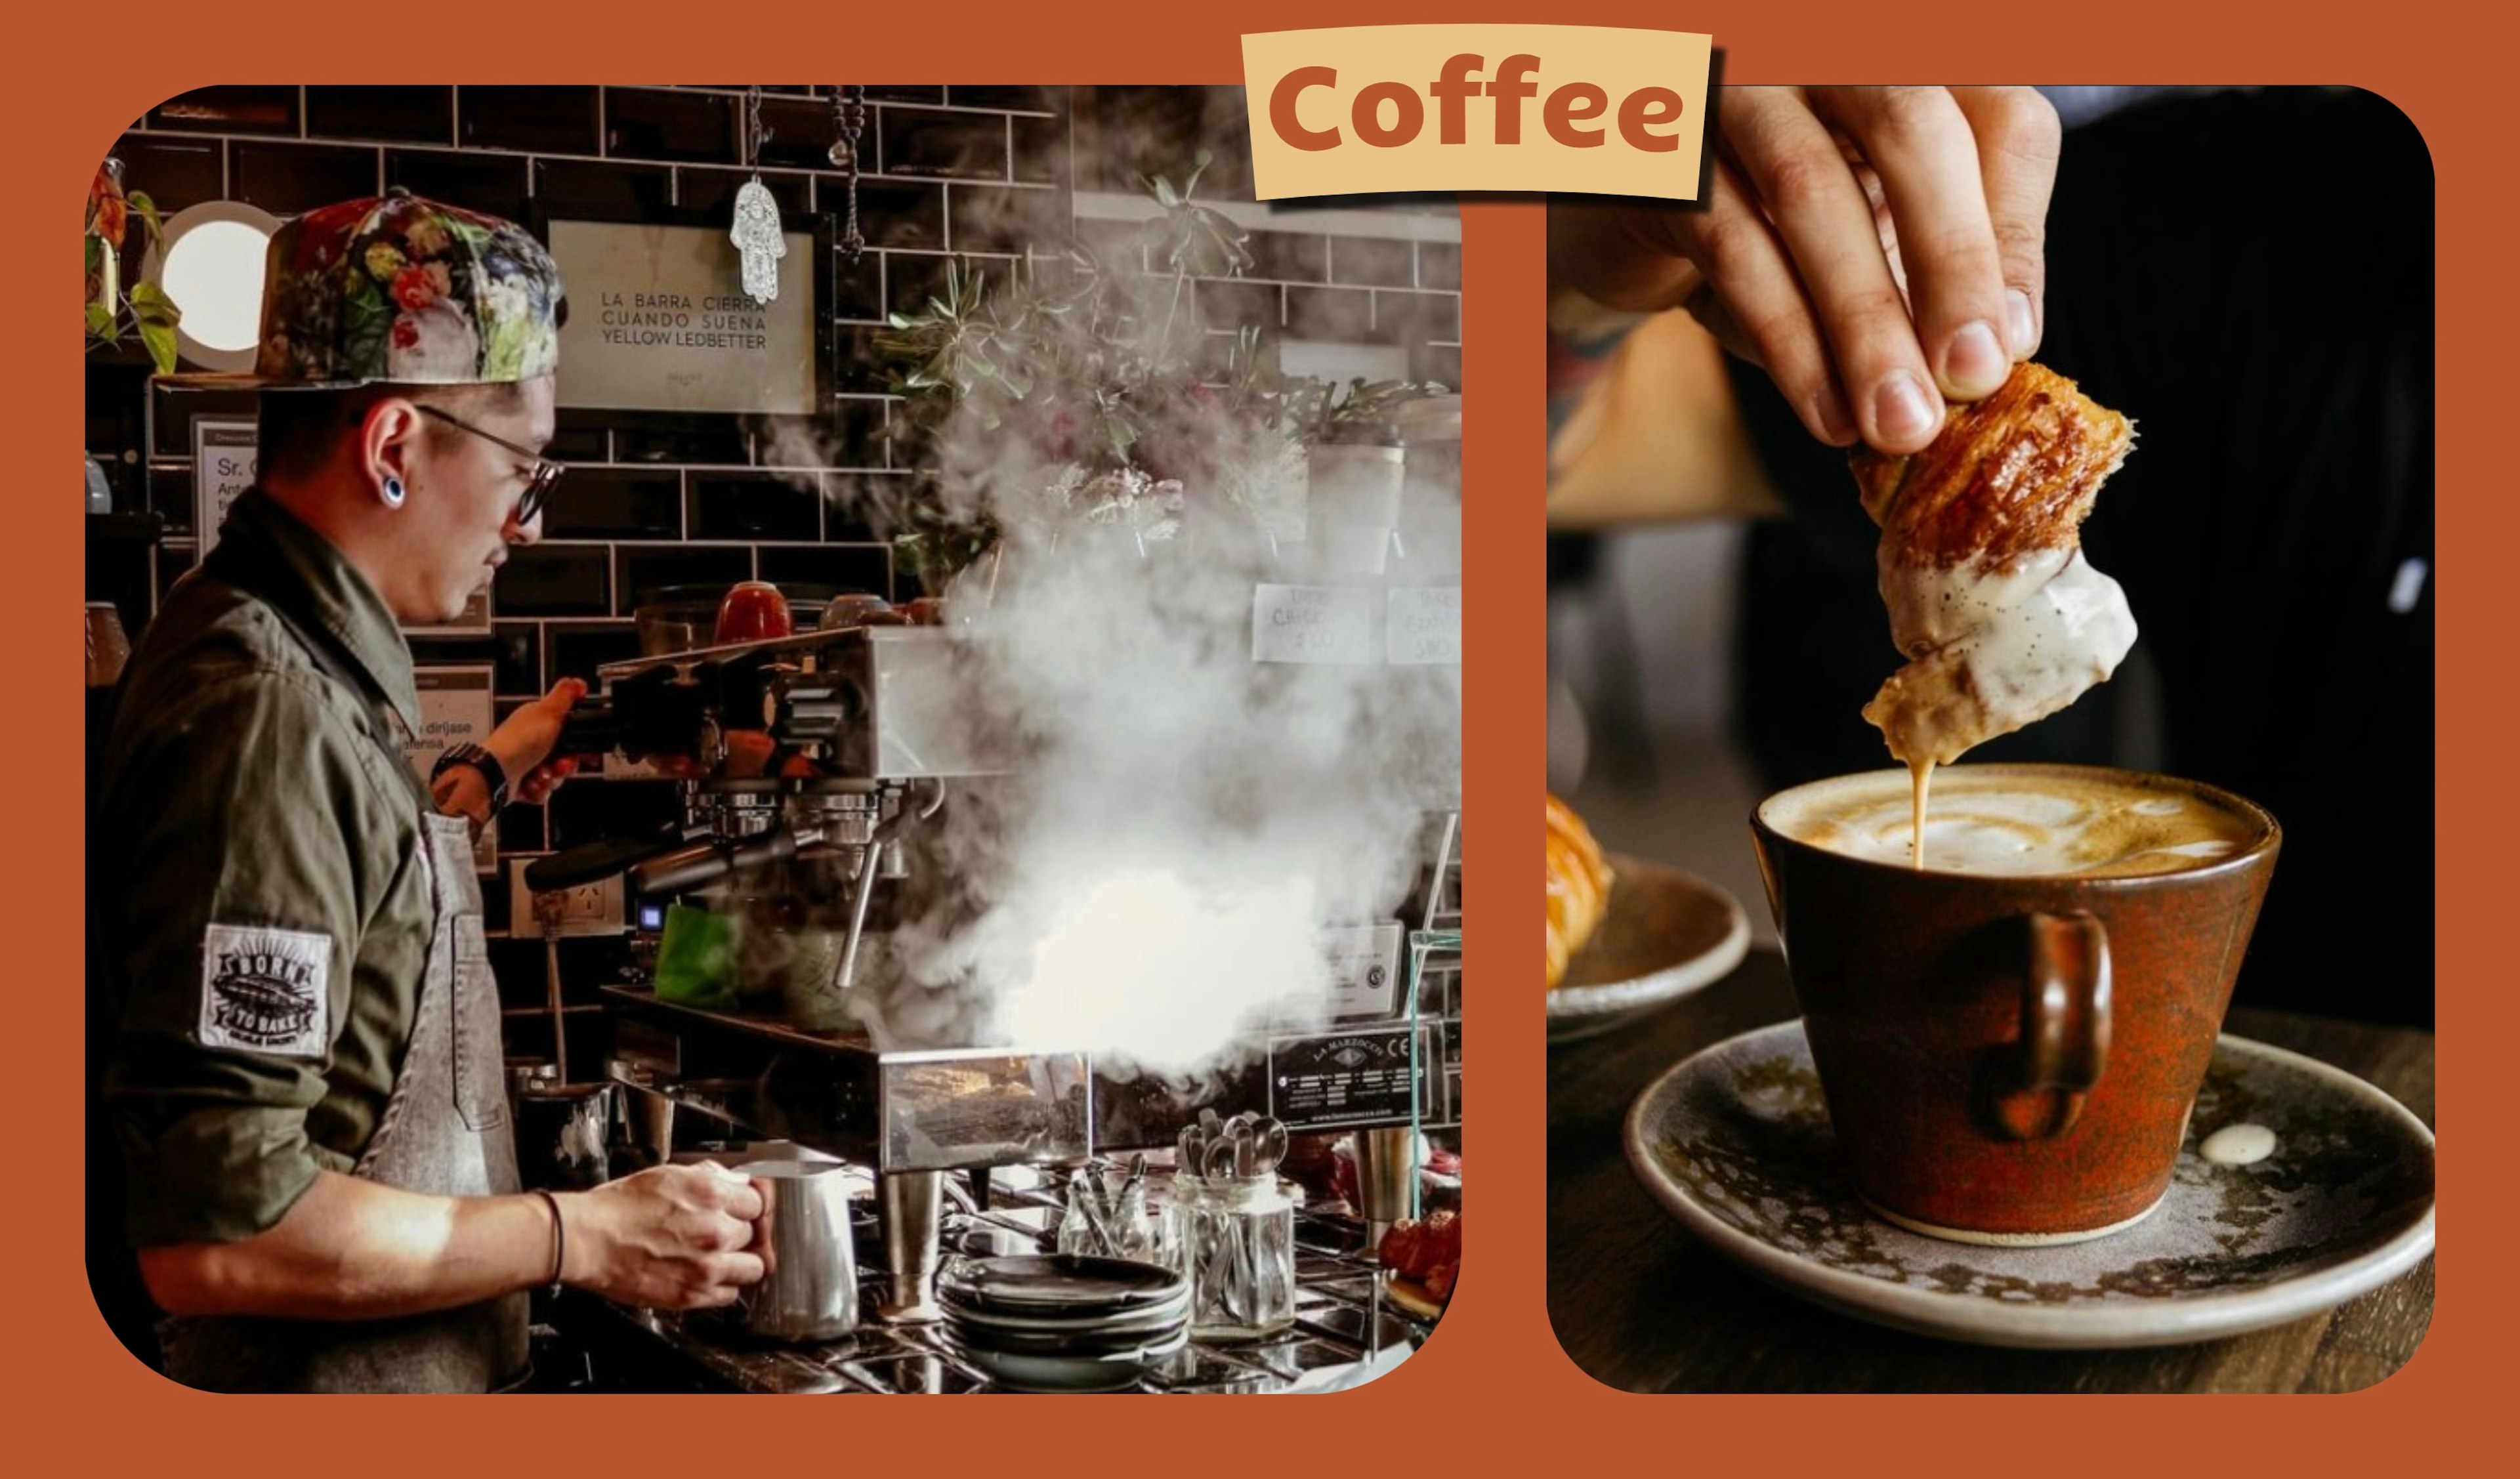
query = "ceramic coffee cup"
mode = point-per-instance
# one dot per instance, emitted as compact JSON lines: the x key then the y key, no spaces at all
{"x":2011,"y":1057}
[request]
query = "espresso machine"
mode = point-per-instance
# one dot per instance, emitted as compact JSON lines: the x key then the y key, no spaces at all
{"x":855,"y":736}
{"x":863,"y":736}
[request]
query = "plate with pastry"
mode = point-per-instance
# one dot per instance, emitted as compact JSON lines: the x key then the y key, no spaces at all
{"x":1626,"y":935}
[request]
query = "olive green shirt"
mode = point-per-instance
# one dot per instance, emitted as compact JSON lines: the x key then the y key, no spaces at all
{"x":245,"y":791}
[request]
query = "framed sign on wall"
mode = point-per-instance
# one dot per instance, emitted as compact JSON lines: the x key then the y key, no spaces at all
{"x":659,"y":319}
{"x":223,"y":467}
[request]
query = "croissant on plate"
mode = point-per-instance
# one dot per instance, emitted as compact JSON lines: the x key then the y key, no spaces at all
{"x":1579,"y":887}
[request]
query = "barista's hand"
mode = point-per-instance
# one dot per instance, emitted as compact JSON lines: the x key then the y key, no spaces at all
{"x":671,"y":1237}
{"x":523,"y":744}
{"x":1876,"y":249}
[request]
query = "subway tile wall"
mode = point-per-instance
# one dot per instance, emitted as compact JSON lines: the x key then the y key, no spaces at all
{"x":990,"y":175}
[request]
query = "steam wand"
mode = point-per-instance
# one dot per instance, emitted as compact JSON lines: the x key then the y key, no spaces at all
{"x":887,"y":833}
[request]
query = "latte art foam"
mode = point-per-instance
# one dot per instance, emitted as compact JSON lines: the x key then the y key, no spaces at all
{"x":2015,"y":823}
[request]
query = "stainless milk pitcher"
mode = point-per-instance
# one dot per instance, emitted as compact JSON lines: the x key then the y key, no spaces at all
{"x":809,"y":1286}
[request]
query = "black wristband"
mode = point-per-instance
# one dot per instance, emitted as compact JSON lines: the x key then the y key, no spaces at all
{"x":493,"y":774}
{"x":560,"y":1239}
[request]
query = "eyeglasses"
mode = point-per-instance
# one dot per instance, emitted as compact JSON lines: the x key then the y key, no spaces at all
{"x":538,"y":484}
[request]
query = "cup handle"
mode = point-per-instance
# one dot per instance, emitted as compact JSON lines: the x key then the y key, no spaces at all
{"x":2064,"y":1041}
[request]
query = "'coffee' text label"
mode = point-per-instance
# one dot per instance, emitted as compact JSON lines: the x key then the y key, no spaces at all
{"x":1423,"y":108}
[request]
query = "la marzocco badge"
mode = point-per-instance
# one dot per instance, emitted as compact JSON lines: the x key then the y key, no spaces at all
{"x":264,"y":990}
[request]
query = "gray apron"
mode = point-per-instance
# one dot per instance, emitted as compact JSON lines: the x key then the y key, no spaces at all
{"x":444,"y":1132}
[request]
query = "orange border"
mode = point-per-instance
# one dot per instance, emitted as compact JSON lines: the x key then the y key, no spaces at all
{"x":1491,"y":1385}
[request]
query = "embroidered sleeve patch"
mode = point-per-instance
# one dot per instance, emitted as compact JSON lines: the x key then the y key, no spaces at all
{"x":264,"y":991}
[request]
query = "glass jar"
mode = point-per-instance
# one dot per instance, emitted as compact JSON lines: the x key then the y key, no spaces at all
{"x":1234,"y":1237}
{"x":1430,"y":510}
{"x":1102,"y":1223}
{"x":1353,"y":505}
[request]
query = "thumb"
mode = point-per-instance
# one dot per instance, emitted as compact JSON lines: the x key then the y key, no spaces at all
{"x":564,"y":694}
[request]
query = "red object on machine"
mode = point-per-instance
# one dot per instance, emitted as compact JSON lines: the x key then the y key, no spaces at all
{"x":1428,"y":1252}
{"x":753,"y":611}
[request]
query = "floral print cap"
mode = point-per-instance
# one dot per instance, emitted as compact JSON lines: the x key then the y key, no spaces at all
{"x":405,"y":291}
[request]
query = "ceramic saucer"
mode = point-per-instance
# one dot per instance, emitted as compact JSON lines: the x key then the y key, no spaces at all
{"x":1665,"y":935}
{"x":1060,"y":1287}
{"x":1735,"y":1143}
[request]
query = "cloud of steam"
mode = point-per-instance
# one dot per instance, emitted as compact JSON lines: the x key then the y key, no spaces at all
{"x":1150,"y":962}
{"x":1152,"y":880}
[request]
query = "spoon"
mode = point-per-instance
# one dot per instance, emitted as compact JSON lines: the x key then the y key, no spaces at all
{"x":1272,"y":1147}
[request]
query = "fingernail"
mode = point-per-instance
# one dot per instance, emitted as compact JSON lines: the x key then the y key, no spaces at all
{"x":2020,"y":326}
{"x":1900,"y":410}
{"x":1836,"y":422}
{"x":1975,"y":363}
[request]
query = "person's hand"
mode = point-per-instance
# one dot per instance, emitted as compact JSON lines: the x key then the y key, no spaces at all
{"x":1877,"y":249}
{"x":671,"y":1237}
{"x":523,"y":744}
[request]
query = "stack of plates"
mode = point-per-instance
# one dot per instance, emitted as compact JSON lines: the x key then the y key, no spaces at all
{"x":1064,"y":1323}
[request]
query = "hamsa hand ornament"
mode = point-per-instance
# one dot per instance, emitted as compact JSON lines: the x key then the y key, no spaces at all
{"x":756,"y":234}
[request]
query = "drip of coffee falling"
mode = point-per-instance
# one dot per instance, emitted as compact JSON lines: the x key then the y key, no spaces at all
{"x":1922,"y":773}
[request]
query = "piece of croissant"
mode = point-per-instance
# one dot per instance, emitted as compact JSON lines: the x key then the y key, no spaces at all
{"x":1579,"y":887}
{"x":1981,"y":565}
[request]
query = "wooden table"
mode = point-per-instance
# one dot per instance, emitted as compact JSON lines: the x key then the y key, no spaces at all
{"x":1644,"y":1307}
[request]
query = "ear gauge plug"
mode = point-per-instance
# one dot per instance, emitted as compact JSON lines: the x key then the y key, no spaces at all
{"x":393,"y":493}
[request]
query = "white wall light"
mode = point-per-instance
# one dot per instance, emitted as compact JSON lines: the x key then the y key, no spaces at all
{"x":210,"y":260}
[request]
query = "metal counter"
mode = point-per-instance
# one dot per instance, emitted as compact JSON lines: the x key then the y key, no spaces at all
{"x":1343,"y":1326}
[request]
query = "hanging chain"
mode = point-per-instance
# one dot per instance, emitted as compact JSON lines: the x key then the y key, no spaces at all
{"x":849,"y":118}
{"x":755,"y":135}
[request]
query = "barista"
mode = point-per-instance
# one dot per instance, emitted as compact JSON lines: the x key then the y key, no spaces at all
{"x":304,"y":1069}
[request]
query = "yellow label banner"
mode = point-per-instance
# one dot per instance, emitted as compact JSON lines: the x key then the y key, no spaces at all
{"x":1364,"y":108}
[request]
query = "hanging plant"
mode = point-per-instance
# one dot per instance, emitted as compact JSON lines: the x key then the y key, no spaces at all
{"x":1193,"y":239}
{"x":1370,"y":410}
{"x":935,"y":549}
{"x":1105,"y":381}
{"x":144,"y":309}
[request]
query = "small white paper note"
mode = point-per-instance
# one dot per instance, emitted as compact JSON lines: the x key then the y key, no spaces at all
{"x":1425,"y":625}
{"x":1292,"y":623}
